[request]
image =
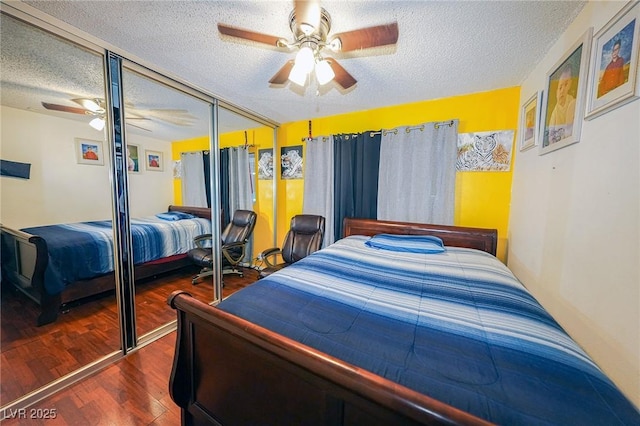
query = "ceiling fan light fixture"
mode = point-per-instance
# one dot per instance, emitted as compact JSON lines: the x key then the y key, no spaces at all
{"x":97,"y":123}
{"x":324,"y":72}
{"x":298,"y":75}
{"x":305,"y":59}
{"x":335,"y":45}
{"x":91,"y":105}
{"x":307,"y":29}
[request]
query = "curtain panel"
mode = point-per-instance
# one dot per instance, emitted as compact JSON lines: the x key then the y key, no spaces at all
{"x":417,"y":173}
{"x":356,"y":169}
{"x":240,"y":187}
{"x":193,"y":184}
{"x":318,"y":183}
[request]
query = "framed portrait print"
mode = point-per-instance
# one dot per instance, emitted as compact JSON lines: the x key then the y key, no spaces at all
{"x":291,"y":162}
{"x":564,"y":97}
{"x":530,"y":122}
{"x":265,"y":163}
{"x":89,"y":152}
{"x":613,"y":80}
{"x":153,"y":160}
{"x":133,"y":158}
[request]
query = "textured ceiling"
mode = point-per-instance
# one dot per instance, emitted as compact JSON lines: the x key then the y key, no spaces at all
{"x":445,"y":48}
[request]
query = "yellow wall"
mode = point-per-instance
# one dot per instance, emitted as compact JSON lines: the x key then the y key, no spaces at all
{"x":261,"y":138}
{"x":482,"y":198}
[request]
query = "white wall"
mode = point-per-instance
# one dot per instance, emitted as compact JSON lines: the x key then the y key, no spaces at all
{"x":575,"y":224}
{"x":61,"y":190}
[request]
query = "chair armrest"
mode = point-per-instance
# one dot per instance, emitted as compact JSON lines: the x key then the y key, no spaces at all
{"x":266,"y":254}
{"x":201,"y":239}
{"x":233,"y":245}
{"x":226,"y":251}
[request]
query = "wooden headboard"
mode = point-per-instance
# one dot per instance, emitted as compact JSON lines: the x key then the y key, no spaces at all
{"x":204,"y":212}
{"x":455,"y":236}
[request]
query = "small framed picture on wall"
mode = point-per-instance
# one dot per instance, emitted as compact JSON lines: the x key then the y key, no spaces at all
{"x":154,"y":160}
{"x":133,"y":158}
{"x":89,"y":152}
{"x":530,"y":122}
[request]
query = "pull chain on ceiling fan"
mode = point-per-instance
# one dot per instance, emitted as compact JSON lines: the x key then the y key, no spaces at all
{"x":310,"y":25}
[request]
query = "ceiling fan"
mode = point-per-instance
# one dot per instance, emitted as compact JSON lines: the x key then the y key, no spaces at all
{"x":96,"y":108}
{"x":311,"y":25}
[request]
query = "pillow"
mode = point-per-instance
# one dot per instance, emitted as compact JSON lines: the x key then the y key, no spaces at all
{"x":175,"y":215}
{"x":406,"y":243}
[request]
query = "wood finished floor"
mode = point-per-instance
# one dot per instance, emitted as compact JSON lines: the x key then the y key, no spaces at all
{"x":133,"y":391}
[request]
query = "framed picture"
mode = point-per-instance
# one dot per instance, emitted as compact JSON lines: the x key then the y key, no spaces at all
{"x":613,"y":80}
{"x":133,"y":158}
{"x":265,"y":163}
{"x":564,"y":98}
{"x":153,"y":160}
{"x":291,"y":162}
{"x":485,"y":151}
{"x":89,"y":152}
{"x":530,"y":122}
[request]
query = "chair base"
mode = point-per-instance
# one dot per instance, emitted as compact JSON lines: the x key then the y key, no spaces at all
{"x":209,"y":272}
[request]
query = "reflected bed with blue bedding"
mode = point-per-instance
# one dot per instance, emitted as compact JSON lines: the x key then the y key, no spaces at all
{"x":81,"y":251}
{"x":453,"y":324}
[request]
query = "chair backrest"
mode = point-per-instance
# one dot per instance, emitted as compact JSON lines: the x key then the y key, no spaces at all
{"x":240,"y":227}
{"x":304,"y":237}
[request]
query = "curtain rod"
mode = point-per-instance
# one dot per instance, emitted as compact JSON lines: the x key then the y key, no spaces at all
{"x":387,"y":131}
{"x":421,"y":127}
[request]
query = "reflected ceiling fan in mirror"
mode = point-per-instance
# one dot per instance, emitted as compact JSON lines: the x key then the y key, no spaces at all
{"x":311,"y":25}
{"x":96,"y":108}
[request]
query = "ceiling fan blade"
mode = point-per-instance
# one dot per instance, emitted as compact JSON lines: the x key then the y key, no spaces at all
{"x":307,"y":15}
{"x":249,"y":35}
{"x":178,"y":117}
{"x":365,"y":38}
{"x":64,"y":108}
{"x":282,"y":75}
{"x":136,"y":126}
{"x":343,"y":78}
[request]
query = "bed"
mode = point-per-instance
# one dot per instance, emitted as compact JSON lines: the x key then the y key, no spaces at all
{"x":57,"y":264}
{"x":381,"y":329}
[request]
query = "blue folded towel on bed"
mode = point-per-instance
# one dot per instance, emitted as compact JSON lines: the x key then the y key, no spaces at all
{"x":174,"y":215}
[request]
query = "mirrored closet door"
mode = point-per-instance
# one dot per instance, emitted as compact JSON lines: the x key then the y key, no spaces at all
{"x":58,"y":314}
{"x":80,"y":289}
{"x":159,"y":118}
{"x":247,"y":183}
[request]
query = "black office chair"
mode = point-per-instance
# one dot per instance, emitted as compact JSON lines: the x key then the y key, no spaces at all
{"x":304,"y":237}
{"x":235,"y":238}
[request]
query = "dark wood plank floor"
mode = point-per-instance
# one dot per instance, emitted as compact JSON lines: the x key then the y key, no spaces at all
{"x":133,"y":391}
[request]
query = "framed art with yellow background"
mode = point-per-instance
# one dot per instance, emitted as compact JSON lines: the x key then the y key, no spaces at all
{"x":564,"y":97}
{"x":530,"y":122}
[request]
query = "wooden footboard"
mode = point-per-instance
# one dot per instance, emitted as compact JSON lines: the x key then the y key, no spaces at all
{"x":228,"y":371}
{"x":25,"y":258}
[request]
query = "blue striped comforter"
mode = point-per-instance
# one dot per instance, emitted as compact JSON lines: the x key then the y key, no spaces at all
{"x":457,"y":326}
{"x":80,"y":251}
